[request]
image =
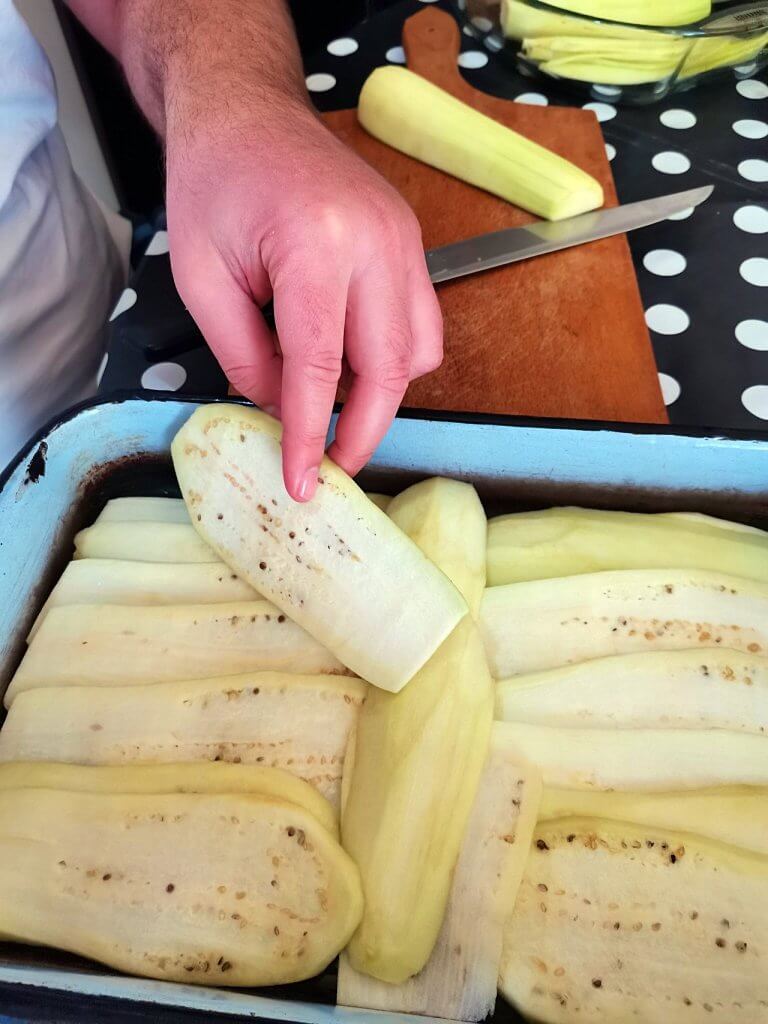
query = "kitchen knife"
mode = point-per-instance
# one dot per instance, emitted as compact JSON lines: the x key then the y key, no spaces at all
{"x":501,"y":247}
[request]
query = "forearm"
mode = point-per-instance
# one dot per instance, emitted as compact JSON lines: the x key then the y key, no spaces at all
{"x":198,"y":64}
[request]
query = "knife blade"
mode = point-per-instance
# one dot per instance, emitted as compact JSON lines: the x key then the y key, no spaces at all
{"x":498,"y":248}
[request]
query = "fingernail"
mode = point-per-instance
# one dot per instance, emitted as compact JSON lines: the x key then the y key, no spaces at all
{"x":308,"y":484}
{"x":272,"y":410}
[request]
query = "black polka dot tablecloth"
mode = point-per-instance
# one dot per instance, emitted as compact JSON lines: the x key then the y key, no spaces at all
{"x":703,"y":274}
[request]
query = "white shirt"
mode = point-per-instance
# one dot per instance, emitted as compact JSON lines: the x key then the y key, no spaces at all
{"x":60,"y":269}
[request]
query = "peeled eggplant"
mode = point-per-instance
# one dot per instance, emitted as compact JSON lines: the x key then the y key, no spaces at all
{"x":298,"y":723}
{"x":544,"y":624}
{"x":122,"y":645}
{"x":337,"y":565}
{"x":221,"y":889}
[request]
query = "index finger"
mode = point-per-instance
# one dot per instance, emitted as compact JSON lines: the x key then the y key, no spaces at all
{"x":310,"y":324}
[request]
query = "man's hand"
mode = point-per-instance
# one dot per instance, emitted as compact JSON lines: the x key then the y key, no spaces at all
{"x":263,"y":202}
{"x":290,"y":213}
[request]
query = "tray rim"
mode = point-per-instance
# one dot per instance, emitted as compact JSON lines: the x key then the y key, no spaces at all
{"x":436,"y":415}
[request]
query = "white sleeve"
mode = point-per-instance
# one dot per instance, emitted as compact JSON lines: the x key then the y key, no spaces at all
{"x":60,"y":269}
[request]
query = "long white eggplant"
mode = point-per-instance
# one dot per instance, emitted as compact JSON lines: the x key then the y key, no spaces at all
{"x":320,"y":561}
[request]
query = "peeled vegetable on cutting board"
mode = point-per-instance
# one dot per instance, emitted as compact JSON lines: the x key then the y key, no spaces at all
{"x":421,"y":120}
{"x":630,"y":653}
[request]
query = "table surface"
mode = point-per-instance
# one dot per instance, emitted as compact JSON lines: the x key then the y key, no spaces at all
{"x":703,"y":279}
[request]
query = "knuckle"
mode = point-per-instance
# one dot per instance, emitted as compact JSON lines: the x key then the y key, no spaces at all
{"x":392,"y":373}
{"x":243,"y":378}
{"x":429,"y":361}
{"x":321,"y":365}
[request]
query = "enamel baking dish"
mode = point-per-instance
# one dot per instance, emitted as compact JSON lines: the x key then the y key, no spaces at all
{"x":103,"y":450}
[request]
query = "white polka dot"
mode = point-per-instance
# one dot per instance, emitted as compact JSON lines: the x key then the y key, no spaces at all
{"x":342,"y":47}
{"x":493,"y":43}
{"x":745,"y":69}
{"x":682,"y":214}
{"x":755,"y":271}
{"x":751,"y":89}
{"x":678,"y":119}
{"x":126,"y":300}
{"x":670,"y":389}
{"x":664,"y":262}
{"x":607,"y":90}
{"x":462,"y":5}
{"x":754,"y":170}
{"x":535,"y":99}
{"x":753,"y":334}
{"x":603,"y":111}
{"x":163,"y":377}
{"x":472,"y":58}
{"x":428,"y":1}
{"x":750,"y":129}
{"x":395,"y":55}
{"x":469,"y":31}
{"x":755,"y":400}
{"x":671,"y":163}
{"x":752,"y":219}
{"x":101,"y":369}
{"x":159,"y":244}
{"x":320,"y":82}
{"x":610,"y":151}
{"x":482,"y":24}
{"x":665,"y":319}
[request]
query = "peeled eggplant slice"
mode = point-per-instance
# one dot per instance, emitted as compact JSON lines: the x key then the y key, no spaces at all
{"x":736,"y":815}
{"x":543,"y":624}
{"x":619,"y":922}
{"x":460,"y":978}
{"x":337,"y":565}
{"x":122,"y":645}
{"x":446,"y":519}
{"x":661,"y":690}
{"x":565,"y":541}
{"x":142,"y":541}
{"x":108,"y":581}
{"x":298,"y":723}
{"x":221,"y":889}
{"x":642,"y":759}
{"x":144,"y":510}
{"x":187,"y":777}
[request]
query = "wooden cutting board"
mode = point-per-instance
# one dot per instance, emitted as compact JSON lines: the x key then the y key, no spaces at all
{"x":562,"y":335}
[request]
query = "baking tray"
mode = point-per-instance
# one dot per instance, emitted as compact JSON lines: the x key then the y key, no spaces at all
{"x":98,"y":451}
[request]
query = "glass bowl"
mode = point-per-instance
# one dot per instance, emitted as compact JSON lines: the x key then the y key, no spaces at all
{"x":628,"y":62}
